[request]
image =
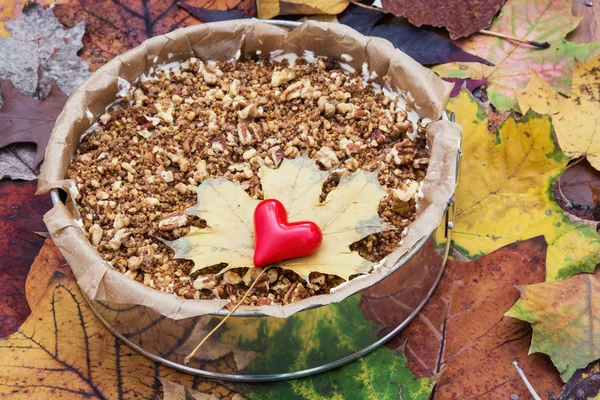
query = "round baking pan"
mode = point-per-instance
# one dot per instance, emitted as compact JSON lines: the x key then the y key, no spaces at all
{"x":255,"y":347}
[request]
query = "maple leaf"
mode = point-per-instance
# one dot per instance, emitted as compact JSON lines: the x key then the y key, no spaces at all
{"x":62,"y":349}
{"x":308,"y":335}
{"x":564,"y":320}
{"x":40,"y":52}
{"x":20,"y":215}
{"x":271,"y":8}
{"x":505,"y":194}
{"x":462,"y":332}
{"x":424,"y":46}
{"x":348,"y":214}
{"x":461,"y":18}
{"x":576,"y":118}
{"x":48,"y":261}
{"x":539,"y":20}
{"x":23,"y":119}
{"x":115,"y":26}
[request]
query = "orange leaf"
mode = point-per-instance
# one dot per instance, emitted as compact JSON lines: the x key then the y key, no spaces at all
{"x":47,"y":261}
{"x":63,"y":351}
{"x":115,"y":26}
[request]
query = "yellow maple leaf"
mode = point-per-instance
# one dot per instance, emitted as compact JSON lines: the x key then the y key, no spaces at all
{"x":63,"y":351}
{"x":348,"y":214}
{"x":505,"y":191}
{"x":576,"y":119}
{"x":271,"y":8}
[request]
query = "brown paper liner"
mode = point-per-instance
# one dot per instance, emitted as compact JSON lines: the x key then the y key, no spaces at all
{"x":222,"y":41}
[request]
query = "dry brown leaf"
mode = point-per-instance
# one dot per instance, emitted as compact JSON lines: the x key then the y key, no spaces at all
{"x":115,"y":26}
{"x":460,"y":17}
{"x":63,"y":351}
{"x":462,"y":332}
{"x":271,"y":8}
{"x":40,"y":51}
{"x":177,"y":391}
{"x":348,"y":214}
{"x":26,"y":120}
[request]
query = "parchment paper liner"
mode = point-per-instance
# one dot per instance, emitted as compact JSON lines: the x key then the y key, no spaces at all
{"x":424,"y":91}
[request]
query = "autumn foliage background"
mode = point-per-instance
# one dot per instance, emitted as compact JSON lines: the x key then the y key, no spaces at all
{"x":525,"y":247}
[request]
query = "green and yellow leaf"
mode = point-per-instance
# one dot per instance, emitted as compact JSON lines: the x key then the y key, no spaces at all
{"x":576,"y":119}
{"x":505,"y":191}
{"x":513,"y":62}
{"x":565,"y":320}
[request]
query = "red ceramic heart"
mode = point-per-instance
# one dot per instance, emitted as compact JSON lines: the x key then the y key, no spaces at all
{"x":276,"y":239}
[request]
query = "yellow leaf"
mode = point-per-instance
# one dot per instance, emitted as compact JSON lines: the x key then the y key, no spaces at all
{"x":576,"y":119}
{"x":505,"y":191}
{"x":63,"y":351}
{"x":230,"y":236}
{"x":348,"y":214}
{"x":271,"y":8}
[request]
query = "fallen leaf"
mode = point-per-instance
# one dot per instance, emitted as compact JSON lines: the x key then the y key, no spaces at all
{"x":348,"y":214}
{"x":584,"y":384}
{"x":20,"y":215}
{"x":573,"y":190}
{"x":576,"y":118}
{"x":424,"y":46}
{"x":48,"y":260}
{"x":505,"y":191}
{"x":268,"y":9}
{"x":320,"y":334}
{"x":462,"y":332}
{"x":63,"y":350}
{"x":40,"y":51}
{"x":564,"y":320}
{"x":381,"y":375}
{"x":176,"y":391}
{"x":539,"y":20}
{"x":115,"y":26}
{"x":11,"y":10}
{"x":461,"y":18}
{"x":23,"y":119}
{"x":207,"y":15}
{"x":460,"y":84}
{"x":16,"y":162}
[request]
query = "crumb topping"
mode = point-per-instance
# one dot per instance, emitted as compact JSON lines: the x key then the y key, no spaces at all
{"x":136,"y":171}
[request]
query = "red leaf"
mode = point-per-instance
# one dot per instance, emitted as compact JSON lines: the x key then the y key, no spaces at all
{"x":20,"y":216}
{"x":460,"y":17}
{"x":462,"y":332}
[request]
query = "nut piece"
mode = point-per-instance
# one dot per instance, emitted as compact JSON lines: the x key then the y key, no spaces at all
{"x":95,"y":234}
{"x":248,"y":112}
{"x":232,"y":278}
{"x":205,"y":282}
{"x":327,"y":158}
{"x":120,"y":236}
{"x":172,"y":221}
{"x":280,"y":77}
{"x":133,"y":263}
{"x":167,"y":176}
{"x":325,"y":107}
{"x":121,"y":221}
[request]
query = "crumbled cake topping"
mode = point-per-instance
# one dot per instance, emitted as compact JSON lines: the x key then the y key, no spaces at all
{"x":137,"y":169}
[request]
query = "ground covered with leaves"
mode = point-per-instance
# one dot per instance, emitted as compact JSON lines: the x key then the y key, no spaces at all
{"x":521,"y":287}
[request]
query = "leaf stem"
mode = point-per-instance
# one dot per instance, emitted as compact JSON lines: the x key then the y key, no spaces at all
{"x":186,"y":360}
{"x":359,"y":4}
{"x":526,"y":381}
{"x":539,"y":45}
